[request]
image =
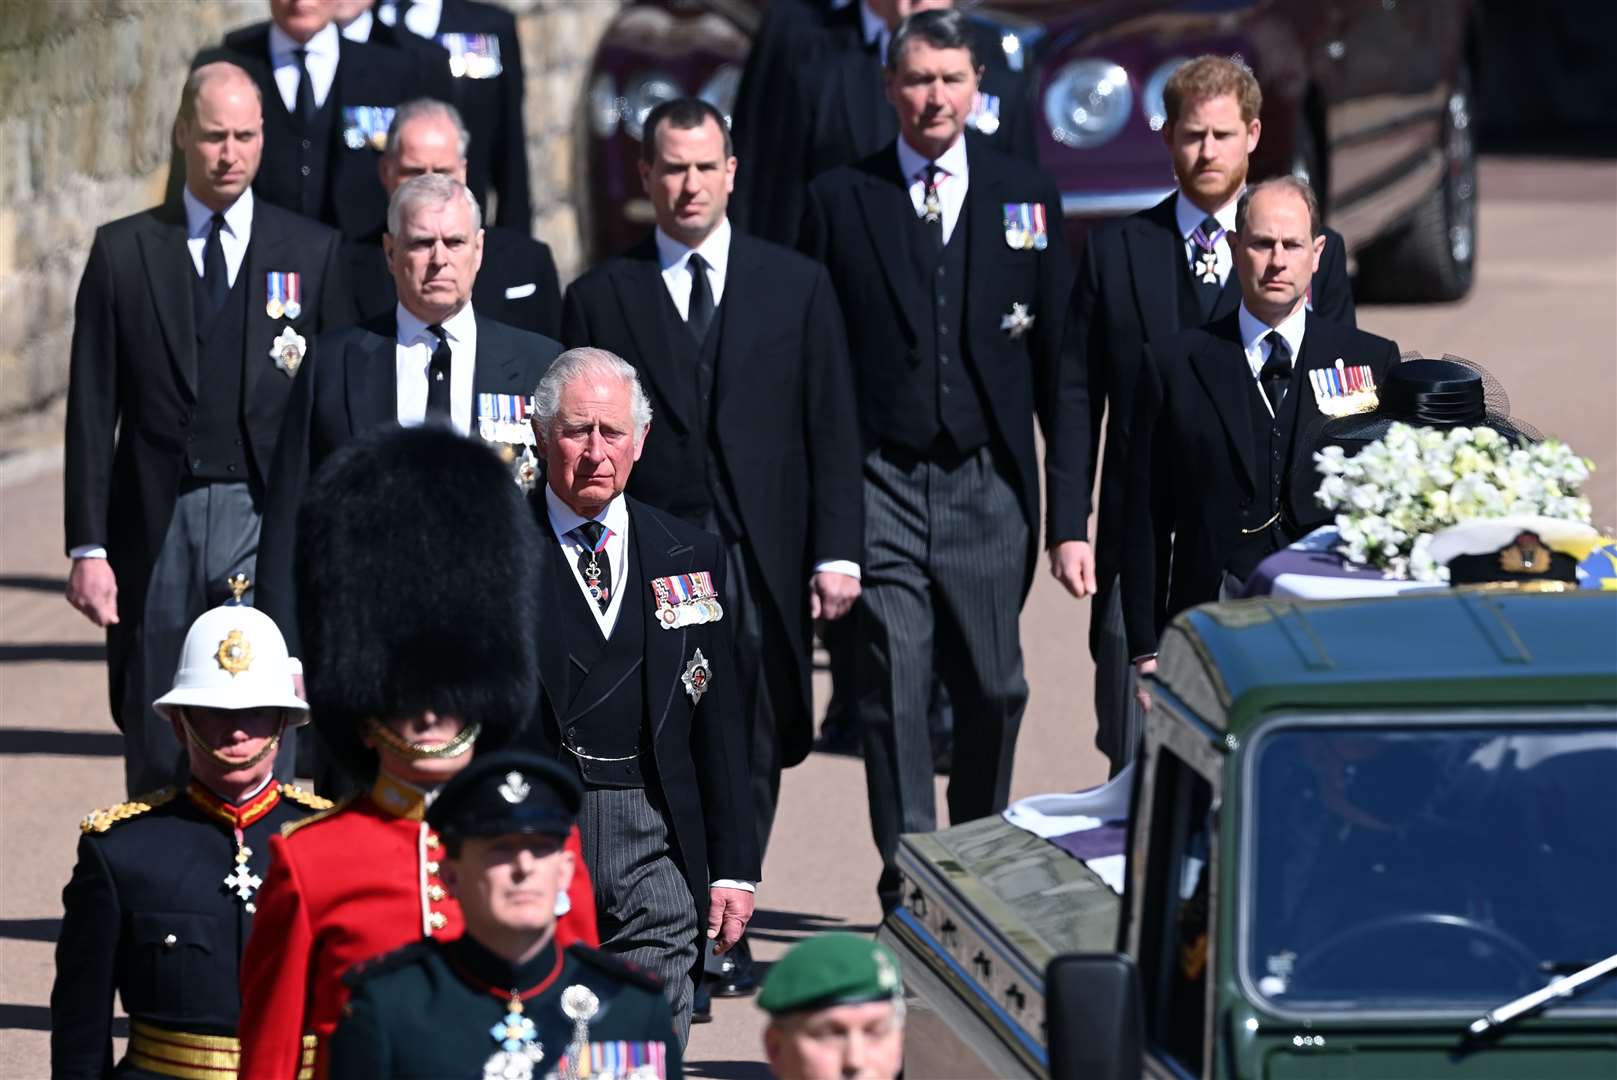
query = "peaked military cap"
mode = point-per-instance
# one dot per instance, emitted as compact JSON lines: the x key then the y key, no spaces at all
{"x":508,"y":792}
{"x":831,"y":969}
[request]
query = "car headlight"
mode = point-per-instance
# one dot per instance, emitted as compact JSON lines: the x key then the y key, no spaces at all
{"x":1087,"y":102}
{"x":720,"y":90}
{"x":644,"y":94}
{"x":605,"y":106}
{"x":1152,"y":107}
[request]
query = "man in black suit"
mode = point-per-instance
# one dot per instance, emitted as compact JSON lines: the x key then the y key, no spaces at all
{"x":742,"y":347}
{"x":953,"y":275}
{"x":191,"y":322}
{"x":517,"y":283}
{"x":433,"y":359}
{"x":1147,"y":277}
{"x":327,"y":105}
{"x":1220,"y":471}
{"x":639,"y":685}
{"x":486,"y":64}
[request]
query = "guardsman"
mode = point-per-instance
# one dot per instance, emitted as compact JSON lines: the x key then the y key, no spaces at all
{"x":164,"y":893}
{"x":192,"y":320}
{"x":836,"y":1009}
{"x":417,"y":567}
{"x":504,"y":999}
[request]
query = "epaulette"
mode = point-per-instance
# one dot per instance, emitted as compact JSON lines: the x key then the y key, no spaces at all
{"x":332,"y":808}
{"x":100,"y":821}
{"x":617,"y":967}
{"x":401,"y":957}
{"x":305,"y":798}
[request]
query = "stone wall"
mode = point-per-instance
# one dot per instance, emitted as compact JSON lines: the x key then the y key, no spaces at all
{"x":88,"y":90}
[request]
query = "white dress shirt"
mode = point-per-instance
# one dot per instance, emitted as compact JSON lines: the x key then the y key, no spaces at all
{"x":412,"y":354}
{"x":321,"y":61}
{"x":360,"y":28}
{"x":233,"y":237}
{"x":673,"y":257}
{"x":563,"y":520}
{"x":422,"y":19}
{"x":1254,"y":334}
{"x":951,"y":185}
{"x":1190,"y":216}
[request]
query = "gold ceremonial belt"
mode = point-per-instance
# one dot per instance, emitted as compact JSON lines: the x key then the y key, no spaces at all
{"x":1260,"y":528}
{"x":197,"y":1057}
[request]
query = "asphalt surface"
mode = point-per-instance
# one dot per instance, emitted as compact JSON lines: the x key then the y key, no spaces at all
{"x":1542,"y":319}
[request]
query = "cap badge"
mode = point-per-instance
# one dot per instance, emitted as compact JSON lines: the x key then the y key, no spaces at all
{"x":287,"y":351}
{"x":515,"y":789}
{"x":1526,"y":555}
{"x":698,"y":674}
{"x":235,"y":653}
{"x":886,"y":976}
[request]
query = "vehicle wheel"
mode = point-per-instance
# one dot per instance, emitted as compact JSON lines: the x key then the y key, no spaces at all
{"x":1432,"y":257}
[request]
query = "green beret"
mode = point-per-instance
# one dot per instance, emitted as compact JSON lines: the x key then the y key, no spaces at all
{"x":831,"y":969}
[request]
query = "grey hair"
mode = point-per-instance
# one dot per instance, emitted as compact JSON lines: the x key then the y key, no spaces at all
{"x":431,"y":189}
{"x":576,"y":363}
{"x":421,"y":109}
{"x":1300,"y":188}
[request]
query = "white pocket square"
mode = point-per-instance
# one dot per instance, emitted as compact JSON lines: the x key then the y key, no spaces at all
{"x":518,"y":292}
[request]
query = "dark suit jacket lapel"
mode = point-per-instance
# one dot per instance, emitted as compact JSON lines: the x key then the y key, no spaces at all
{"x":884,"y":202}
{"x":661,"y":555}
{"x":498,"y":369}
{"x":1154,"y":248}
{"x":637,"y":280}
{"x":984,"y":217}
{"x":552,"y":661}
{"x":1220,"y":366}
{"x":1229,"y":297}
{"x":744,"y":285}
{"x":169,"y":271}
{"x":266,"y":251}
{"x":371,"y":373}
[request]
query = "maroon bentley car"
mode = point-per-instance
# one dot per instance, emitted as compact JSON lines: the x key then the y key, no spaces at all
{"x":1369,"y":99}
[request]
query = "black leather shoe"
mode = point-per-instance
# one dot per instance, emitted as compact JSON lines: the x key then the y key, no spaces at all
{"x":702,"y":1004}
{"x":734,"y":975}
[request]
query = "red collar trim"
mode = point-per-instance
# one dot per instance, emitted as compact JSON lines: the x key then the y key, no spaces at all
{"x":508,"y":992}
{"x":236,"y":817}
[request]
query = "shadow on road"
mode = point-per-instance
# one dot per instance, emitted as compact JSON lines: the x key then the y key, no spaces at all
{"x":73,"y":652}
{"x":38,"y":1018}
{"x":30,"y":929}
{"x":61,"y":743}
{"x":793,"y":926}
{"x":728,"y":1070}
{"x":33,"y":583}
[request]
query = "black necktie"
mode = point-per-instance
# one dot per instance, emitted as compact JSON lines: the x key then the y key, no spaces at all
{"x":438,"y":380}
{"x":932,"y":204}
{"x":1204,"y":263}
{"x":1276,"y":373}
{"x":215,"y":275}
{"x":593,"y":565}
{"x":700,"y":312}
{"x":306,"y":107}
{"x":400,"y":10}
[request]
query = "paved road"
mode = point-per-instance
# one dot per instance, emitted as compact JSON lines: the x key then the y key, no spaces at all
{"x":1543,"y":319}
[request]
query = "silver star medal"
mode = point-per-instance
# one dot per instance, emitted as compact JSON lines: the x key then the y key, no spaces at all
{"x":1207,"y":267}
{"x":1018,"y":322}
{"x":698,"y":674}
{"x":287,"y":351}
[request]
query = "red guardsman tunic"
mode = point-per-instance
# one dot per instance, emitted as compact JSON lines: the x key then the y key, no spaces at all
{"x":345,"y":886}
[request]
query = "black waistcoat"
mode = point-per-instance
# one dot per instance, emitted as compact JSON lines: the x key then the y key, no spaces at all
{"x":604,"y":715}
{"x":216,"y":441}
{"x":1268,"y":522}
{"x":295,"y":175}
{"x":940,"y":396}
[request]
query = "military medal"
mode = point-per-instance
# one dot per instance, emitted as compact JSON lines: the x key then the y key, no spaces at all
{"x":1207,"y":258}
{"x":288,"y":350}
{"x":592,"y":569}
{"x":1344,"y":391}
{"x":698,"y":674}
{"x":1025,"y":227}
{"x":933,"y":206}
{"x":580,"y":1005}
{"x":241,"y":880}
{"x":686,"y":600}
{"x":366,"y":125}
{"x":984,"y":113}
{"x":472,"y":56}
{"x":519,"y":1047}
{"x":294,"y":295}
{"x":1017,"y":321}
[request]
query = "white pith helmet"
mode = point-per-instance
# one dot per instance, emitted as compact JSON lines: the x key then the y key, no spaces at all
{"x":235,"y":658}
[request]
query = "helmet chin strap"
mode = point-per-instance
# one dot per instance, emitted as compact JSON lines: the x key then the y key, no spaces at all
{"x":269,"y":747}
{"x":398,"y":746}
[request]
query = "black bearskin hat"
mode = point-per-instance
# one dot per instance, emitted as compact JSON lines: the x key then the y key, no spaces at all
{"x":417,"y":583}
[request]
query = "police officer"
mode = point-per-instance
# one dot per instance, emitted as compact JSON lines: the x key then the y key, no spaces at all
{"x":162,"y":897}
{"x":503,"y":999}
{"x":836,"y":1008}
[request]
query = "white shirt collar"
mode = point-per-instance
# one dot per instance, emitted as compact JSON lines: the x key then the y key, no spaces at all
{"x":1254,"y":330}
{"x":461,"y":326}
{"x":564,"y":519}
{"x":326,"y":43}
{"x":1189,"y":216}
{"x":238,"y":215}
{"x":715,"y":249}
{"x":952,"y":161}
{"x":360,"y":28}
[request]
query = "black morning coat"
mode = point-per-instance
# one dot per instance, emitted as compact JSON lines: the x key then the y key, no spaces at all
{"x":1191,"y":469}
{"x":349,"y":385}
{"x":855,"y":224}
{"x":516,"y":285}
{"x":354,"y":201}
{"x":1128,"y":293}
{"x":698,"y":747}
{"x":785,"y":425}
{"x":132,"y":388}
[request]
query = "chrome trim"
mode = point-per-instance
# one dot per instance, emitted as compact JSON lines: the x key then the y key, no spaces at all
{"x":1111,"y":204}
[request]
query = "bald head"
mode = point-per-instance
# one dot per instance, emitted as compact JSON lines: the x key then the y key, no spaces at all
{"x":220,"y":130}
{"x":426,"y":136}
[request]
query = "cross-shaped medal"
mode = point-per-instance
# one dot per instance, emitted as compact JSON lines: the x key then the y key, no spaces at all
{"x":1207,"y":267}
{"x":242,"y":881}
{"x":933,"y":206}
